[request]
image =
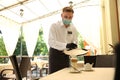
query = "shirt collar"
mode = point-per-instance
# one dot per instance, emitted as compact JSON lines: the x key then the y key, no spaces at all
{"x":62,"y":25}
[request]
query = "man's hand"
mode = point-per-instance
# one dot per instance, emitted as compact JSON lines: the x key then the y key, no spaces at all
{"x":71,"y":46}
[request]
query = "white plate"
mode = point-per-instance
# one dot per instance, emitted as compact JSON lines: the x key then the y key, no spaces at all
{"x":75,"y":52}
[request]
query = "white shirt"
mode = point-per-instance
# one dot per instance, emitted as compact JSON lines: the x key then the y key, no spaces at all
{"x":59,"y":35}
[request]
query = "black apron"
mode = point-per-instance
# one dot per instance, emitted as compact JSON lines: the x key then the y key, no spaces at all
{"x":57,"y":60}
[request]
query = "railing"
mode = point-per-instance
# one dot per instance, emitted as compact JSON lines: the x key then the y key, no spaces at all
{"x":4,"y":59}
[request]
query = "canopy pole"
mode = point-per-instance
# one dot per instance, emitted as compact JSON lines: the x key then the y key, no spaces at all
{"x":21,"y":33}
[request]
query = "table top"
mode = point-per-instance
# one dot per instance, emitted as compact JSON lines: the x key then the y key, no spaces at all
{"x":95,"y":74}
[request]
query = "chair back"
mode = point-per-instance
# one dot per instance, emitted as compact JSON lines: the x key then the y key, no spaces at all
{"x":25,"y":65}
{"x":105,"y":61}
{"x":13,"y":60}
{"x":90,"y":59}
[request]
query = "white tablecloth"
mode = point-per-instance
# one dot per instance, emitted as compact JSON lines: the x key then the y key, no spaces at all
{"x":96,"y":74}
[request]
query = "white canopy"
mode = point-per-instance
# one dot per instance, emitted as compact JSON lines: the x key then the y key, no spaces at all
{"x":37,"y":13}
{"x":36,"y":9}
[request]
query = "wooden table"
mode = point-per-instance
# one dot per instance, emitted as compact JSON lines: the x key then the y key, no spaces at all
{"x":96,"y":74}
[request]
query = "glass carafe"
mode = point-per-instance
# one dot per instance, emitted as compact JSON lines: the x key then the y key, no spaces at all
{"x":73,"y":63}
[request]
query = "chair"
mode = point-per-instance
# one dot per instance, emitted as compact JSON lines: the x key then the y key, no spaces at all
{"x":4,"y":75}
{"x":16,"y":67}
{"x":15,"y":70}
{"x":24,"y":66}
{"x":44,"y":68}
{"x":90,"y":59}
{"x":105,"y":61}
{"x":5,"y":69}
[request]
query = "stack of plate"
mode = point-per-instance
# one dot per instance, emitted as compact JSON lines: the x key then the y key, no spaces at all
{"x":75,"y":52}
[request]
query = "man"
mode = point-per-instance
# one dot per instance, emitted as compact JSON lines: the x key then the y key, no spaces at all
{"x":62,"y":35}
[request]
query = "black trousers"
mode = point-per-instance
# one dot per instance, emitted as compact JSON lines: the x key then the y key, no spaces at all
{"x":57,"y":60}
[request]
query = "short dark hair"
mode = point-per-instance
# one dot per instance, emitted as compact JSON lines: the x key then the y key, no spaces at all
{"x":68,"y":9}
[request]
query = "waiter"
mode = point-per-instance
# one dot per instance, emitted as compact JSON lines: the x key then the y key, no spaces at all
{"x":62,"y":35}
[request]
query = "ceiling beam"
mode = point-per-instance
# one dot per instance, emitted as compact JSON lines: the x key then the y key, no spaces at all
{"x":54,"y":12}
{"x":43,"y":16}
{"x":13,"y":5}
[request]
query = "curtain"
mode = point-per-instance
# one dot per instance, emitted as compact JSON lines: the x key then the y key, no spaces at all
{"x":31,"y":32}
{"x":10,"y":33}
